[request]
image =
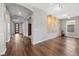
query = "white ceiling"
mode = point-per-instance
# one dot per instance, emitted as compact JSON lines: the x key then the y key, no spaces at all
{"x":67,"y":10}
{"x":60,"y":10}
{"x":18,"y":12}
{"x":42,"y":6}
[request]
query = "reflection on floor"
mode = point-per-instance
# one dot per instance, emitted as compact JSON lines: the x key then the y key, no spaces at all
{"x":60,"y":46}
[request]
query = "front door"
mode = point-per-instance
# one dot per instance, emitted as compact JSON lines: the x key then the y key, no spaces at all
{"x":16,"y":28}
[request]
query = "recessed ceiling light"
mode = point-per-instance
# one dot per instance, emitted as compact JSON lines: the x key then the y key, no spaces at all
{"x":19,"y":13}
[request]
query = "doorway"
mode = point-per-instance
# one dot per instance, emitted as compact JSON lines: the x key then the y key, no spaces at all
{"x":29,"y":29}
{"x":16,"y":28}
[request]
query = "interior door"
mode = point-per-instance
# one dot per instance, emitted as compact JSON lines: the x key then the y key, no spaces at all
{"x":29,"y":29}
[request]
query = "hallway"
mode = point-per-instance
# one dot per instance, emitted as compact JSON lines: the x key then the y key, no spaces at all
{"x":60,"y":46}
{"x":37,"y":29}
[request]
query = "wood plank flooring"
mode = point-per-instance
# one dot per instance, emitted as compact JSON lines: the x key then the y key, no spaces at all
{"x":61,"y":46}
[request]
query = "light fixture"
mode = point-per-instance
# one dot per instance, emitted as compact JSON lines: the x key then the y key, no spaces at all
{"x":58,"y":7}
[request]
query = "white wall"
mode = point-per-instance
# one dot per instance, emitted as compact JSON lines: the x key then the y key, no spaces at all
{"x":20,"y":28}
{"x":39,"y":27}
{"x":12,"y":28}
{"x":2,"y":30}
{"x":7,"y":21}
{"x":24,"y":28}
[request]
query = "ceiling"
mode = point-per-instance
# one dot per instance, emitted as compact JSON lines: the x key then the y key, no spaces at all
{"x":60,"y":10}
{"x":42,"y":6}
{"x":17,"y":12}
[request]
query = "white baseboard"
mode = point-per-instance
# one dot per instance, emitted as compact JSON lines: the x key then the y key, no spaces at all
{"x":43,"y":40}
{"x":39,"y":41}
{"x":3,"y":52}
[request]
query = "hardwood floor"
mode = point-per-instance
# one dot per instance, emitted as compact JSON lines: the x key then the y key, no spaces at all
{"x":61,"y":46}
